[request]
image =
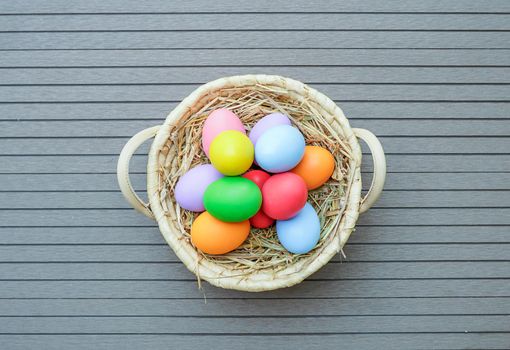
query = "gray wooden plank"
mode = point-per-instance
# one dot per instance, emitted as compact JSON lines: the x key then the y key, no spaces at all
{"x":191,"y":6}
{"x":65,"y":129}
{"x":108,"y":182}
{"x":440,"y":217}
{"x":389,"y":199}
{"x":307,"y":289}
{"x":67,"y":182}
{"x":255,"y":57}
{"x":150,"y":235}
{"x":437,"y":181}
{"x":177,"y":271}
{"x":127,"y":128}
{"x":255,"y":39}
{"x":266,"y":325}
{"x":255,"y":307}
{"x":108,"y":235}
{"x":196,"y":75}
{"x":160,"y":93}
{"x":442,"y":199}
{"x":392,"y":145}
{"x":395,"y":163}
{"x":252,"y":342}
{"x":243,"y":21}
{"x":159,"y":110}
{"x":443,"y":145}
{"x":162,"y":253}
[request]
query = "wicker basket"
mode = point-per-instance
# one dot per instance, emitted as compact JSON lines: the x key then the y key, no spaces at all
{"x":163,"y":159}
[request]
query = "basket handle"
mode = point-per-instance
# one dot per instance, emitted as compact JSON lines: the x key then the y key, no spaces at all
{"x":379,"y":176}
{"x":123,"y":170}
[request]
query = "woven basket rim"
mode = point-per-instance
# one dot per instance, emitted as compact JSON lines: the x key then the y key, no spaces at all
{"x":259,"y":280}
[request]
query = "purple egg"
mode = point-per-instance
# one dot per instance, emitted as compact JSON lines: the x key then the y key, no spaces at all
{"x":269,"y":121}
{"x":189,"y":191}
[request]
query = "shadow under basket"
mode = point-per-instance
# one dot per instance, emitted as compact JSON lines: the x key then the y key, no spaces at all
{"x":261,"y":263}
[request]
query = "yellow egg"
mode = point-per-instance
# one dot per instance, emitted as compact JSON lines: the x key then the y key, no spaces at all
{"x":231,"y":153}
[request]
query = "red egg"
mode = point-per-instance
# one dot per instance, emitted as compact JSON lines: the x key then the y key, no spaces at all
{"x":257,"y":176}
{"x":261,"y":220}
{"x":284,"y":195}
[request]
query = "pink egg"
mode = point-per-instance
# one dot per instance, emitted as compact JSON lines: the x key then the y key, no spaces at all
{"x":218,"y":121}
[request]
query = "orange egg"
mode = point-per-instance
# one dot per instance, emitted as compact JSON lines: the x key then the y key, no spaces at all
{"x":316,"y":167}
{"x":213,"y":236}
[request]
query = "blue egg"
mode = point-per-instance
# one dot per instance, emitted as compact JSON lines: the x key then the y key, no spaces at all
{"x":280,"y":148}
{"x":300,"y":233}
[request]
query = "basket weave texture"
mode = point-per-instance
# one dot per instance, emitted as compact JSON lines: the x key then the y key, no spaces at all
{"x":261,"y":263}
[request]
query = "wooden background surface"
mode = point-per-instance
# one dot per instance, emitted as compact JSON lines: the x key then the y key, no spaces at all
{"x":428,"y":267}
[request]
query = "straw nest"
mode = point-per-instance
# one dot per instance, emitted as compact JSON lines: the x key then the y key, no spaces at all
{"x":262,"y":250}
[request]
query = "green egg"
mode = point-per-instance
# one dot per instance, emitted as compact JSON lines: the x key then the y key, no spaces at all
{"x":232,"y":199}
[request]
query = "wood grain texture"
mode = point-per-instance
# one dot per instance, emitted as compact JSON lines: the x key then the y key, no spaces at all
{"x":427,"y":267}
{"x":254,"y":57}
{"x":200,"y":75}
{"x":168,"y":271}
{"x":192,"y":6}
{"x":307,"y":289}
{"x":265,"y":325}
{"x":255,"y":21}
{"x":368,"y":92}
{"x":255,"y":39}
{"x":255,"y":307}
{"x":493,"y":341}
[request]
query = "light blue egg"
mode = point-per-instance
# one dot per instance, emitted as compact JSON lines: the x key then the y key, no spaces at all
{"x":301,"y":233}
{"x":280,"y":148}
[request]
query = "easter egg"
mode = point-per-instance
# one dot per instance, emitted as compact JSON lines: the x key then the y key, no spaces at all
{"x":213,"y":236}
{"x":218,"y":121}
{"x":301,"y":233}
{"x":232,"y":199}
{"x":231,"y":152}
{"x":280,"y":148}
{"x":316,"y":167}
{"x":269,"y":121}
{"x":189,"y":191}
{"x":284,"y":195}
{"x":257,"y":176}
{"x":261,"y":220}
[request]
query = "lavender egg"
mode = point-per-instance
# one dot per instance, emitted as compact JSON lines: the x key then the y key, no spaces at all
{"x":189,"y":191}
{"x":269,"y":121}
